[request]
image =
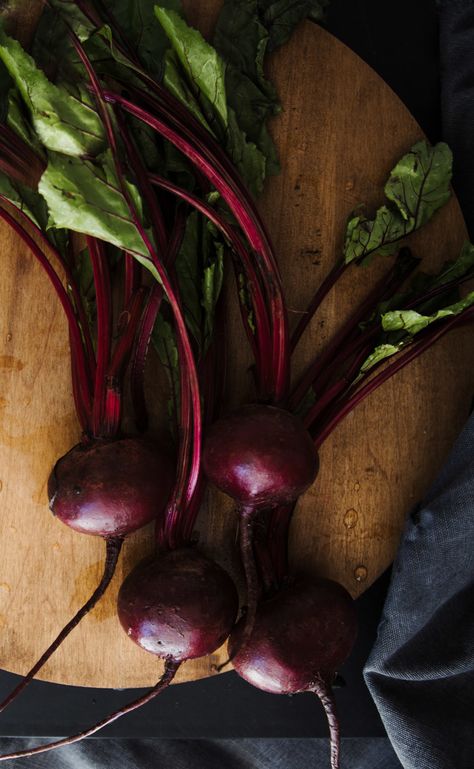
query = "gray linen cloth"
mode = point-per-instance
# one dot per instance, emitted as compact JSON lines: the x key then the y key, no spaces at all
{"x":421,"y":669}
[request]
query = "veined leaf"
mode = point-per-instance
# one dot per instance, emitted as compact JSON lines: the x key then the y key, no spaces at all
{"x":136,"y":18}
{"x":79,"y":23}
{"x":19,"y":123}
{"x":245,"y":32}
{"x":202,"y":64}
{"x":25,"y":199}
{"x":85,"y":196}
{"x":417,"y":187}
{"x":382,"y":352}
{"x":249,"y":159}
{"x":63,"y":122}
{"x":175,"y":84}
{"x":423,"y":283}
{"x":412,"y":322}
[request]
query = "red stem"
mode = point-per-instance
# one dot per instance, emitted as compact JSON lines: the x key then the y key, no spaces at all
{"x":188,"y":358}
{"x":331,"y":394}
{"x":146,"y":189}
{"x":244,"y":215}
{"x":130,"y":319}
{"x":329,"y":281}
{"x":418,"y":348}
{"x":104,"y":329}
{"x":131,"y":278}
{"x":81,"y":314}
{"x":140,"y":354}
{"x":77,"y":348}
{"x":263,"y":357}
{"x":386,"y":286}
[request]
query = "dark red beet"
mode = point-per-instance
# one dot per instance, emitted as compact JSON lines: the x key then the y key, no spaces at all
{"x":300,"y":638}
{"x":261,"y":456}
{"x":110,"y":488}
{"x":180,"y":605}
{"x":306,"y":629}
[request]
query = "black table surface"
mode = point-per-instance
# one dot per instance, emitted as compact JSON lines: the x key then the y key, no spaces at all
{"x":400,"y":41}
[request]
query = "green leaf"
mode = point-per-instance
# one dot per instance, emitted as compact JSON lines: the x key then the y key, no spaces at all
{"x":249,"y":159}
{"x":423,"y":283}
{"x":280,"y":17}
{"x":175,"y":84}
{"x":246,"y":31}
{"x":413,"y":322}
{"x":202,"y":65}
{"x":459,"y":269}
{"x":5,"y":87}
{"x":417,"y":187}
{"x":136,"y":19}
{"x":242,"y":39}
{"x":380,"y":353}
{"x":245,"y":302}
{"x":25,"y":199}
{"x":85,"y":196}
{"x":306,"y":403}
{"x":63,"y":121}
{"x":69,"y":10}
{"x":19,"y":123}
{"x":200,"y":271}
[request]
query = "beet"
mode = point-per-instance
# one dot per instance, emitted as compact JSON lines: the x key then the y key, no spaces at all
{"x":261,"y":456}
{"x":110,"y":488}
{"x":307,"y":628}
{"x":179,"y":605}
{"x":301,"y":636}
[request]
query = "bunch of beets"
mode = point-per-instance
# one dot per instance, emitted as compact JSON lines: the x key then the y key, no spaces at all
{"x":130,"y":174}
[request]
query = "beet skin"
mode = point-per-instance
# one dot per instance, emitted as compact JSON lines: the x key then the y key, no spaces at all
{"x":261,"y":456}
{"x":110,"y":488}
{"x":179,"y":605}
{"x":302,"y":633}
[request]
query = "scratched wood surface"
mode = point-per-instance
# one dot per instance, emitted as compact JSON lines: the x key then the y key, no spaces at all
{"x":340,"y":132}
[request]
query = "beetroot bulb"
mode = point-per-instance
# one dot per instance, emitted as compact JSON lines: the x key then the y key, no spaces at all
{"x":263,"y":458}
{"x":302,"y":634}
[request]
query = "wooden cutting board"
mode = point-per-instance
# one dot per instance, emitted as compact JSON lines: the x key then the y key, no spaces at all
{"x":340,"y":132}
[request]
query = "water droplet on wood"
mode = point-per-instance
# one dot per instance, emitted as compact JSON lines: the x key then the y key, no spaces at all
{"x":360,"y":573}
{"x":350,"y":519}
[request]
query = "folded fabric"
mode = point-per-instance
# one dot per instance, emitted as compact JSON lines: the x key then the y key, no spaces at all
{"x":421,"y":669}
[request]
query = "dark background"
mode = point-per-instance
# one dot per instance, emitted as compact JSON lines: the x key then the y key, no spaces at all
{"x":400,"y":41}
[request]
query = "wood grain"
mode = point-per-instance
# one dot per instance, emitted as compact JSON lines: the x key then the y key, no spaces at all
{"x":339,"y":134}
